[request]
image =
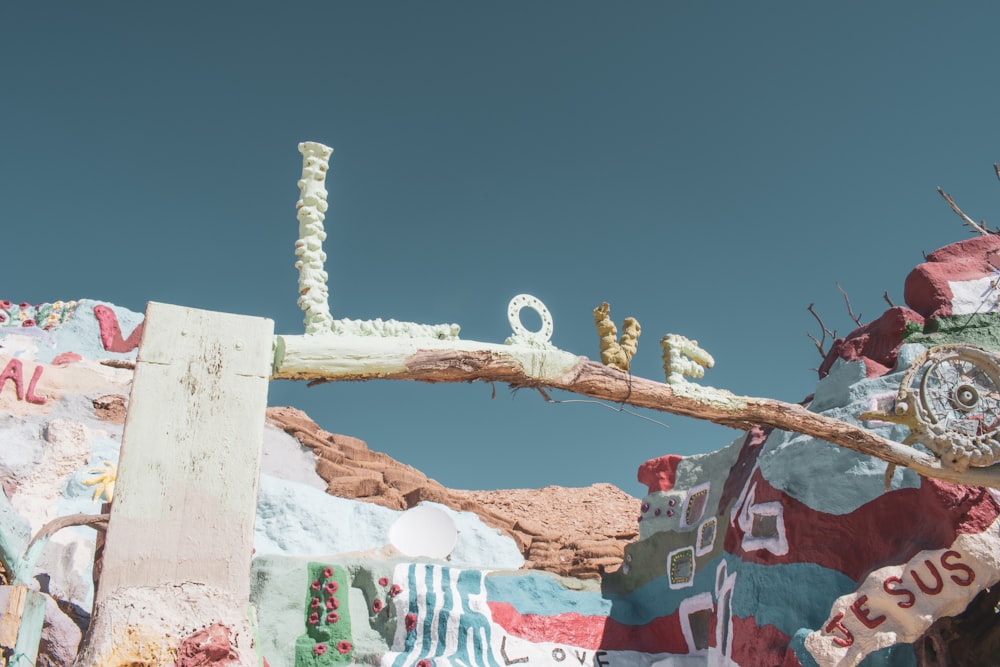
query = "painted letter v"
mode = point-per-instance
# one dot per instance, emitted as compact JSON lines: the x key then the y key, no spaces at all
{"x":111,"y":332}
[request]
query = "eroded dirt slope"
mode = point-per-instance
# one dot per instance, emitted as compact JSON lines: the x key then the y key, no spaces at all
{"x":568,"y":531}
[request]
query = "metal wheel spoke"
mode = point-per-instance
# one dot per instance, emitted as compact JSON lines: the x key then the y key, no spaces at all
{"x":958,"y":388}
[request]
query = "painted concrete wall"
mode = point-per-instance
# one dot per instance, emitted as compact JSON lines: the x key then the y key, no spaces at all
{"x":774,"y":550}
{"x":61,"y":413}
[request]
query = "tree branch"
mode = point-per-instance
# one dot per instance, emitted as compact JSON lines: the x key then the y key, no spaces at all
{"x":850,"y":311}
{"x":96,"y":521}
{"x":823,"y":330}
{"x":24,"y":566}
{"x":981,"y":228}
{"x":346,"y":358}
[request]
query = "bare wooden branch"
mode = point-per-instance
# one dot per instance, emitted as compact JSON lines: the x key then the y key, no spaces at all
{"x":819,"y":346}
{"x":996,"y":169}
{"x":126,"y":364}
{"x":588,"y":378}
{"x":885,"y":295}
{"x":981,"y":228}
{"x":24,"y":566}
{"x":823,"y":329}
{"x":96,"y":521}
{"x":850,"y":311}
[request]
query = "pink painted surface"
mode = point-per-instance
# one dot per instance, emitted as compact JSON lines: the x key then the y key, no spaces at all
{"x":876,"y":343}
{"x":946,"y":511}
{"x":760,"y":644}
{"x":211,"y":646}
{"x":66,"y":358}
{"x":15,"y":371}
{"x":659,"y":474}
{"x":111,"y":332}
{"x":660,"y":635}
{"x":926,"y":289}
{"x":744,"y":467}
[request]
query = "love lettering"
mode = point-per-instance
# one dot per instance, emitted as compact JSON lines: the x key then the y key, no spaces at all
{"x":928,"y":579}
{"x":597,"y":659}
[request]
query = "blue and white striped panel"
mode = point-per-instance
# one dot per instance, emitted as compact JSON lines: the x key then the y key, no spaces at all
{"x":453,"y":621}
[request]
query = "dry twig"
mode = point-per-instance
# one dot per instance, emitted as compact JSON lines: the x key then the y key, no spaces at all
{"x":95,"y":521}
{"x":885,"y":295}
{"x":822,"y":327}
{"x":979,"y":227}
{"x":126,"y":364}
{"x":856,"y":318}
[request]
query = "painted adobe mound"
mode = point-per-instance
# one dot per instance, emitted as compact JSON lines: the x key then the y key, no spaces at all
{"x":779,"y":549}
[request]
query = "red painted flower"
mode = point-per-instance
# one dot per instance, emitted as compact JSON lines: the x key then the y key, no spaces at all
{"x":332,"y":603}
{"x":383,"y":581}
{"x":377,"y":606}
{"x":313,"y":618}
{"x":314,"y":603}
{"x":395,"y":590}
{"x":319,"y":649}
{"x":410,"y":620}
{"x":5,"y":304}
{"x":332,"y":617}
{"x":344,"y":647}
{"x":330,"y":588}
{"x":24,"y":305}
{"x":28,"y":323}
{"x":327,"y":572}
{"x":316,"y":585}
{"x":423,"y":663}
{"x":3,"y":317}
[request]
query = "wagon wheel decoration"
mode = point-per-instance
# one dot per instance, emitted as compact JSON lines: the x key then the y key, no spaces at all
{"x":950,"y":399}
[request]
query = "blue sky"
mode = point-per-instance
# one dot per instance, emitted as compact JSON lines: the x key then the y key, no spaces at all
{"x":709,"y":168}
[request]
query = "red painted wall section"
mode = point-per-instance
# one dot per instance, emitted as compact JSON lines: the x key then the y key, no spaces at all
{"x":926,"y":289}
{"x":876,"y":343}
{"x":760,"y":644}
{"x":66,"y":358}
{"x":831,"y":540}
{"x":660,"y":635}
{"x":744,"y":467}
{"x":211,"y":646}
{"x":659,"y":474}
{"x":927,"y":292}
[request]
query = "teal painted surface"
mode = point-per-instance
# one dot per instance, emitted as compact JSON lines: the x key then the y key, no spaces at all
{"x":447,"y":593}
{"x":795,"y":463}
{"x":30,"y":632}
{"x":789,"y":597}
{"x":834,"y":390}
{"x":541,"y":593}
{"x":14,"y":535}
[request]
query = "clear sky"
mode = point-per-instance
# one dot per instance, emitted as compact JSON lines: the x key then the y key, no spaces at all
{"x":709,"y":168}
